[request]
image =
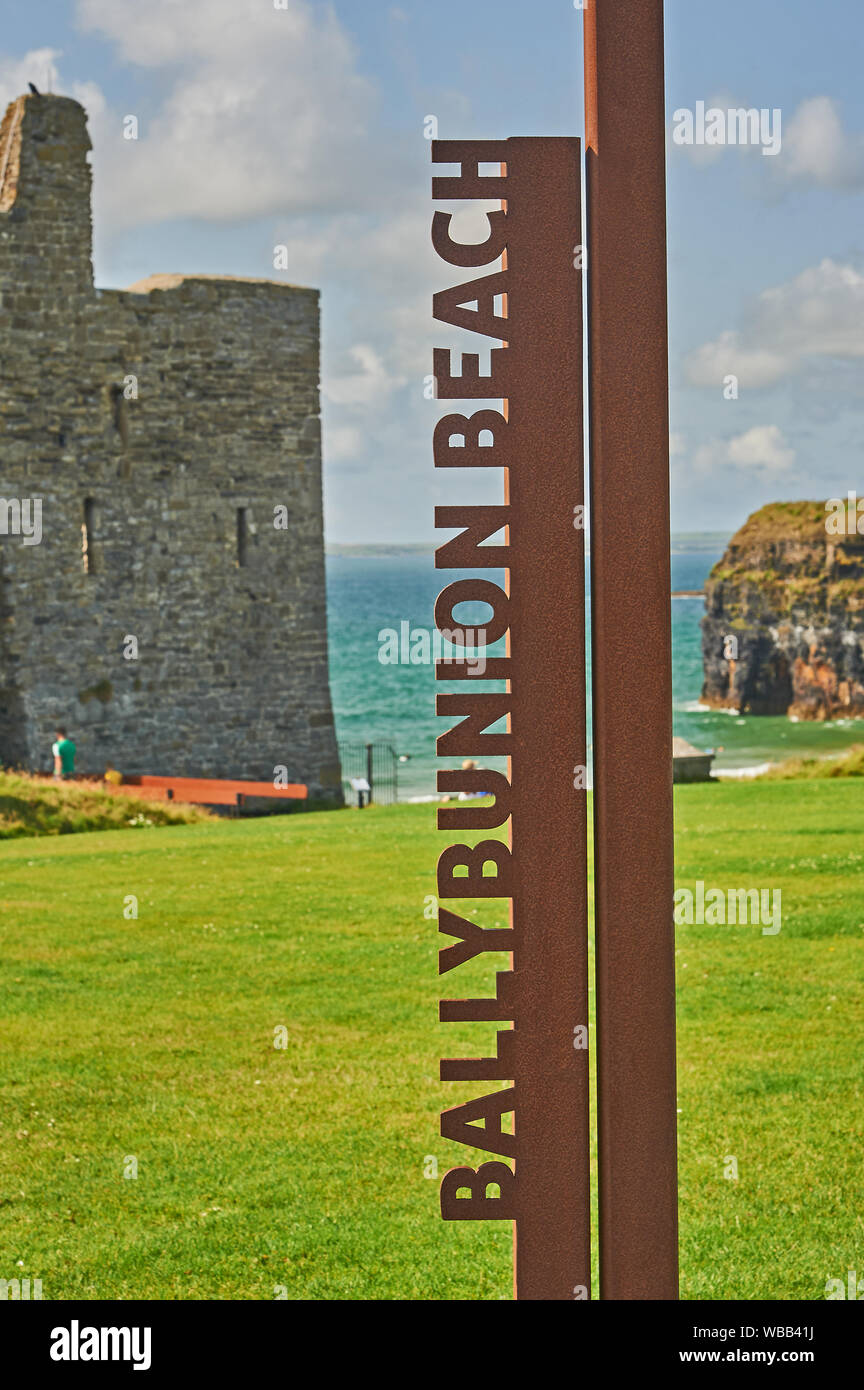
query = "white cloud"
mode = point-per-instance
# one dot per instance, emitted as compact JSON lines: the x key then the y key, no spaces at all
{"x":169,"y":31}
{"x":385,"y":272}
{"x":370,"y":385}
{"x":818,"y":314}
{"x":264,"y":118}
{"x":344,"y":442}
{"x":40,"y":67}
{"x":817,"y":151}
{"x":729,"y":354}
{"x":762,"y":449}
{"x":265,"y":111}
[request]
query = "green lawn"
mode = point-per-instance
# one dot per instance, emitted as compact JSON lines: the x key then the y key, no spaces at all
{"x":258,"y":1167}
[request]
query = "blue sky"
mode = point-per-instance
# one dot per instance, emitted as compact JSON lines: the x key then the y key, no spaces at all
{"x":304,"y":127}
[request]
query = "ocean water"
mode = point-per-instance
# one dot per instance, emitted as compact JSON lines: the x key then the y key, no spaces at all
{"x":376,"y":702}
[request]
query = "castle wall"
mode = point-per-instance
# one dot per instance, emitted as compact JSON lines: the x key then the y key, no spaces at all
{"x":178,"y":419}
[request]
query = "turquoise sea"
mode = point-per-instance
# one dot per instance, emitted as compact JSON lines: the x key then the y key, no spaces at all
{"x":395,"y":704}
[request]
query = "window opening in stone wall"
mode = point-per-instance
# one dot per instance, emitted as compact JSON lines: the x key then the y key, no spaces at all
{"x":87,"y":531}
{"x":242,"y":535}
{"x":121,"y":413}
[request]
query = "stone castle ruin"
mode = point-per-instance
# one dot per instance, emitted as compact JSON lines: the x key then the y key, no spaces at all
{"x":169,"y":607}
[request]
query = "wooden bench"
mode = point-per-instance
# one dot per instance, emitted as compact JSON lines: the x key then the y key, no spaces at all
{"x":206,"y":791}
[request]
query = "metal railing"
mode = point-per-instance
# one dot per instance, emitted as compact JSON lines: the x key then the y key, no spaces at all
{"x":376,"y":765}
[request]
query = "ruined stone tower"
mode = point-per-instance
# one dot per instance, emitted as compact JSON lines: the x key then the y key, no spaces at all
{"x":170,"y":433}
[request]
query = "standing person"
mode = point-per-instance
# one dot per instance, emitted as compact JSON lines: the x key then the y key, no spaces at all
{"x":64,"y":755}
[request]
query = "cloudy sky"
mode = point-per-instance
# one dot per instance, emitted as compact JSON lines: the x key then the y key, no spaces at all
{"x":303,"y":126}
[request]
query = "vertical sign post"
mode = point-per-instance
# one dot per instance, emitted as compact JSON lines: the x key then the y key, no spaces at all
{"x":631,"y":664}
{"x":537,"y":442}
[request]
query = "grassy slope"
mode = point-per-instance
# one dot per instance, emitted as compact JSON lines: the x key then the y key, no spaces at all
{"x":848,"y":764}
{"x":305,"y":1167}
{"x":33,"y":806}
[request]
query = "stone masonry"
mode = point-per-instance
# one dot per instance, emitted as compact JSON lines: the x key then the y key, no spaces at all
{"x":171,"y":432}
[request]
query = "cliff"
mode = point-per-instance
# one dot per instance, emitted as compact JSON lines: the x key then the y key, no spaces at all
{"x":784,"y":625}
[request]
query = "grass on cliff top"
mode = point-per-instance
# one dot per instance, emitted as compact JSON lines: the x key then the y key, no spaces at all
{"x":34,"y":806}
{"x":147,"y":1046}
{"x":778,"y":520}
{"x":773,"y":523}
{"x":848,"y":764}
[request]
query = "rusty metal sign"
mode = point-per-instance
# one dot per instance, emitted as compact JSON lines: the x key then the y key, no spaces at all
{"x":537,"y":442}
{"x":631,"y":649}
{"x":538,"y":1172}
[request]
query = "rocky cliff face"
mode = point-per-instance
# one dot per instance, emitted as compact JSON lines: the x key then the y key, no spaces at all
{"x":784,"y":625}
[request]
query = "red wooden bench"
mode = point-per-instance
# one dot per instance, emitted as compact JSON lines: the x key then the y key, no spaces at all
{"x":206,"y":791}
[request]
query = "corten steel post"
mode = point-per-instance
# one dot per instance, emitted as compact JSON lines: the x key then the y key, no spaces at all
{"x":630,"y":616}
{"x":548,"y":835}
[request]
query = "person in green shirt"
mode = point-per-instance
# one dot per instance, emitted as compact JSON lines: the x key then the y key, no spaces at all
{"x":64,"y":755}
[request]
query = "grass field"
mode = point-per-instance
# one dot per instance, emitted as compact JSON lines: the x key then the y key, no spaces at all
{"x":262,"y":1168}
